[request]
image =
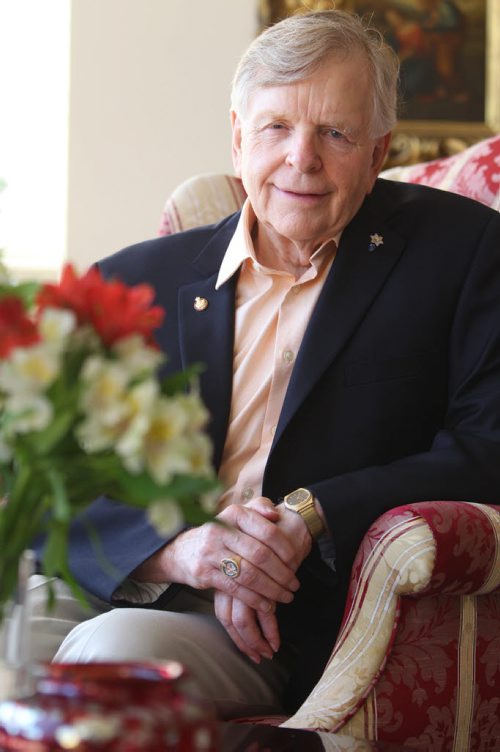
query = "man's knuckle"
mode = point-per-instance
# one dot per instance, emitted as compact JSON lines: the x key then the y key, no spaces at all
{"x":260,"y":556}
{"x":232,"y":586}
{"x":252,"y":577}
{"x":240,"y":623}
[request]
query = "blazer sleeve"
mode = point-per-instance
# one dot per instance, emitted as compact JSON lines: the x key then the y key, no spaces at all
{"x":107,"y":543}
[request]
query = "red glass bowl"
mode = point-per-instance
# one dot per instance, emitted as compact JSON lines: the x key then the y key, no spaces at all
{"x":116,"y":707}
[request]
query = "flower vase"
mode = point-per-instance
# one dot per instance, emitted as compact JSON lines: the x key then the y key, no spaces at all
{"x":15,"y":674}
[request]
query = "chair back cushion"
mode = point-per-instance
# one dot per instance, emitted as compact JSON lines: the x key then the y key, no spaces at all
{"x":201,"y":200}
{"x":474,"y":172}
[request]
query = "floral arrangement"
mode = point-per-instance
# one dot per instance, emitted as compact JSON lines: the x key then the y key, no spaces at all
{"x":83,"y":413}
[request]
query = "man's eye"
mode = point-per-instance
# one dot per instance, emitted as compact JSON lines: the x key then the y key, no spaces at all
{"x":336,"y":135}
{"x":276,"y":126}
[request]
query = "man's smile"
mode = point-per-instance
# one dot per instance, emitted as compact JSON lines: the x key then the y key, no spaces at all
{"x":295,"y":193}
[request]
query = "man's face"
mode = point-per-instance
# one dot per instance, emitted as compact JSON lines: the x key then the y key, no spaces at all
{"x":305,"y":156}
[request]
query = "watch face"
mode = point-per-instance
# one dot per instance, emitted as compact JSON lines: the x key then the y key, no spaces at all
{"x":298,"y":496}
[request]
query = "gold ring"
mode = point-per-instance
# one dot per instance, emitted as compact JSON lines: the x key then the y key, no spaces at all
{"x":230,"y":566}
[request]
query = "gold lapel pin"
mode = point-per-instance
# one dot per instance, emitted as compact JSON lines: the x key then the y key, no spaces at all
{"x":200,"y":304}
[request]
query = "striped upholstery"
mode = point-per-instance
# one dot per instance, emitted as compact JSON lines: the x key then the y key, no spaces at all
{"x":201,"y":200}
{"x":417,"y":661}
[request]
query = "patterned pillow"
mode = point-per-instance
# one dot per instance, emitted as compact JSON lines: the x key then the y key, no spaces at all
{"x":474,"y":172}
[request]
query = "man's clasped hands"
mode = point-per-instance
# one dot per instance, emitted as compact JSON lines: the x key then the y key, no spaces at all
{"x":264,"y":548}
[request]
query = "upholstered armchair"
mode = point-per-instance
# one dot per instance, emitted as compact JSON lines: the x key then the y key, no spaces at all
{"x":417,"y":660}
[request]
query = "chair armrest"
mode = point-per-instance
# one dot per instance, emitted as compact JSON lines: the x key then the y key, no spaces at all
{"x":413,"y":550}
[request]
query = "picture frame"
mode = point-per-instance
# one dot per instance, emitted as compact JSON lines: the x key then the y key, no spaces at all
{"x":452,"y":99}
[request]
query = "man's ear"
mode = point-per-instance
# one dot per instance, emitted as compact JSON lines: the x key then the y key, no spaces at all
{"x":379,"y":152}
{"x":236,"y":143}
{"x":380,"y":149}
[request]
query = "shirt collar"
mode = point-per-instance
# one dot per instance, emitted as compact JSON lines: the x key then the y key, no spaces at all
{"x":241,"y":248}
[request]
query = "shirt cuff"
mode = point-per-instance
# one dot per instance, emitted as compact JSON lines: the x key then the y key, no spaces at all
{"x":140,"y":592}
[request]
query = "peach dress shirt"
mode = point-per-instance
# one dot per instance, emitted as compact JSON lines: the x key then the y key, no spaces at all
{"x":273,"y":309}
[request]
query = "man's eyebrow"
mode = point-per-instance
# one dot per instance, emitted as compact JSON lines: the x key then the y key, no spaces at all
{"x":270,"y":115}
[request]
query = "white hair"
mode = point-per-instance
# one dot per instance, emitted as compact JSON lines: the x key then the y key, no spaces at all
{"x":293,"y":49}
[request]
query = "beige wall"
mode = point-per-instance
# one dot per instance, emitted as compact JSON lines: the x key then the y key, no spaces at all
{"x":149,"y":103}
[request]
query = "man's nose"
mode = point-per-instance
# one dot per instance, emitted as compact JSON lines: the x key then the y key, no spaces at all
{"x":303,"y":153}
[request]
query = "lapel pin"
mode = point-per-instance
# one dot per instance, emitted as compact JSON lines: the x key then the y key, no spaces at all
{"x":375,"y":241}
{"x":200,"y":304}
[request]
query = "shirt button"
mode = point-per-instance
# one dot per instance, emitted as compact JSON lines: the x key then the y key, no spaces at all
{"x":288,"y":356}
{"x":247,"y":494}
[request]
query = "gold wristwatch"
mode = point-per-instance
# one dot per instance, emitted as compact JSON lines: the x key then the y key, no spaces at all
{"x":301,"y":501}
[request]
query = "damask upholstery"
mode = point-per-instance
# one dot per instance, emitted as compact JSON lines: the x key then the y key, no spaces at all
{"x":417,"y":661}
{"x":474,"y":172}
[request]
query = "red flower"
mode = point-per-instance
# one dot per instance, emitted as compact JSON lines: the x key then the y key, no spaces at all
{"x":113,"y":309}
{"x":16,"y":328}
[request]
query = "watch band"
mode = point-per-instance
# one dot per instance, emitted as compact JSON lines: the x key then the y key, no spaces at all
{"x":301,"y":501}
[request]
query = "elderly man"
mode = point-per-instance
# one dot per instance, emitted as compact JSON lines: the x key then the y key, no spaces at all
{"x":350,"y":329}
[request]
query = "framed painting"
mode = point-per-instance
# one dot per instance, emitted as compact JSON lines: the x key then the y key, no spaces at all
{"x":449,"y":52}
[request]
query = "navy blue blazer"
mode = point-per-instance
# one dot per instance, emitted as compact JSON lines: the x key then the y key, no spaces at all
{"x":394,"y":395}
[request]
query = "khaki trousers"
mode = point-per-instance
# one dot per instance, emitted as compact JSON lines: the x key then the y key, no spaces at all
{"x":188,"y":632}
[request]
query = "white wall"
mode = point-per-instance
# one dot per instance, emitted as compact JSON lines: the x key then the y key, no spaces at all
{"x":149,"y":104}
{"x":34,"y":84}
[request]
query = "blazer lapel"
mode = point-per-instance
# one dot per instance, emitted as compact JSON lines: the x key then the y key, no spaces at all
{"x":355,"y":279}
{"x":206,"y":334}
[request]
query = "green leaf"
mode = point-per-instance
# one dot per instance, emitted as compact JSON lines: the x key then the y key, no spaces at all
{"x":179,"y":382}
{"x":26,"y":291}
{"x":60,"y":507}
{"x":55,"y":559}
{"x":43,"y":442}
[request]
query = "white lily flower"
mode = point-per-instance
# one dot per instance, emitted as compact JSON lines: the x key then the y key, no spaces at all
{"x":200,"y":452}
{"x":165,"y":450}
{"x":56,"y":324}
{"x":166,"y":516}
{"x":29,"y":369}
{"x":209,"y":501}
{"x":117,"y":417}
{"x":105,"y":387}
{"x":166,"y":459}
{"x":181,"y":455}
{"x":28,"y":412}
{"x":137,"y":357}
{"x":195,"y":411}
{"x":140,"y":403}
